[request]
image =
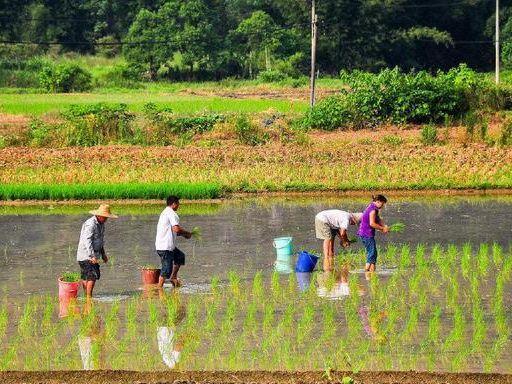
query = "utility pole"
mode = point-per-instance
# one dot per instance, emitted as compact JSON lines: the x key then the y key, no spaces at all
{"x":497,"y":42}
{"x":313,"y":53}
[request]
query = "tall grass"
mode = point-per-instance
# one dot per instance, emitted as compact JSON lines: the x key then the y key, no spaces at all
{"x":108,"y":191}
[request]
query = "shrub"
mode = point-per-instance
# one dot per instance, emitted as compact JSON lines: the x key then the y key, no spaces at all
{"x":100,"y":123}
{"x":329,"y":114}
{"x":167,"y":124}
{"x":40,"y":133}
{"x":271,"y":76}
{"x":66,"y":77}
{"x":429,"y":135}
{"x":248,"y":133}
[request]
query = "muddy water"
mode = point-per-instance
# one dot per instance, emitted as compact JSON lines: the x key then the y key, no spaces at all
{"x":36,"y":245}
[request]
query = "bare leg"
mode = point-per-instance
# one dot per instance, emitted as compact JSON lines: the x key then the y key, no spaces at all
{"x":161,"y":281}
{"x":174,"y":274}
{"x":372,"y":268}
{"x":89,"y":286}
{"x":367,"y":267}
{"x":328,"y":254}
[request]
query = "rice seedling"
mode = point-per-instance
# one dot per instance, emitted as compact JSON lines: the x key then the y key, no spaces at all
{"x":497,"y":255}
{"x":397,"y":227}
{"x":405,"y":257}
{"x":108,"y":191}
{"x":465,"y":261}
{"x":483,"y":259}
{"x":196,"y":233}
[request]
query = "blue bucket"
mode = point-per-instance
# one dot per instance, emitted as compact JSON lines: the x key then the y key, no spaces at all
{"x":306,"y":262}
{"x":283,"y":246}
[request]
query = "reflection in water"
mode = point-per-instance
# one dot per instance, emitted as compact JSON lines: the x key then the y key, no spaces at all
{"x":85,"y":345}
{"x":166,"y":345}
{"x":283,"y":267}
{"x":304,"y":280}
{"x":333,"y":285}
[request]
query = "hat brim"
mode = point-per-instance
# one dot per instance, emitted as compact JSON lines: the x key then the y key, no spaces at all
{"x":102,"y":214}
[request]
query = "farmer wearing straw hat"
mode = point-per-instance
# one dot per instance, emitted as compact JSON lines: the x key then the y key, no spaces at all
{"x":90,"y":247}
{"x":329,"y":224}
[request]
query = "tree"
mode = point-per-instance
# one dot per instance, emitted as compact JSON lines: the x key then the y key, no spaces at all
{"x":260,"y":34}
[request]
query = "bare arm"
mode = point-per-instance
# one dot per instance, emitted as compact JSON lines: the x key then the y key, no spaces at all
{"x":377,"y":223}
{"x":104,"y":255}
{"x":178,"y":230}
{"x":344,"y":238}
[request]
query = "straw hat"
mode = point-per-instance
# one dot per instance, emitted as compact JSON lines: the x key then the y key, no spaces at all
{"x":356,"y":217}
{"x":104,"y":211}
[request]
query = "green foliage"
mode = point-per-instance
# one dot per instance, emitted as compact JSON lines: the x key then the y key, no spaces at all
{"x":66,"y":77}
{"x":429,"y":135}
{"x":96,"y":124}
{"x":166,"y":125}
{"x":329,"y":114}
{"x":40,"y":133}
{"x":271,"y":76}
{"x":70,"y":277}
{"x":248,"y":133}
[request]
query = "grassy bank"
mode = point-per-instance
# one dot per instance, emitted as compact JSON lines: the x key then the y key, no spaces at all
{"x":324,"y":162}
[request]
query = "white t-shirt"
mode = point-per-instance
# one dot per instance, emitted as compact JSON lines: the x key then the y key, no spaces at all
{"x":165,"y":237}
{"x":335,"y":218}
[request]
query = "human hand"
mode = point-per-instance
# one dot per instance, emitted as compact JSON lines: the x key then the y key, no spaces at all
{"x":385,"y":229}
{"x":187,"y":235}
{"x":105,"y":259}
{"x":93,"y":260}
{"x":345,"y":244}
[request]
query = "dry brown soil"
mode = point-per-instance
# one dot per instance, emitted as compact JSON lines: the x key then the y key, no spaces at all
{"x":126,"y":377}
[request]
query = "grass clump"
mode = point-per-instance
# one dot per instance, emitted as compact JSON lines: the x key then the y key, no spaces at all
{"x":397,"y":227}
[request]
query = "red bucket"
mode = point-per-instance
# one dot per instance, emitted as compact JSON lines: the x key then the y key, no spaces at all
{"x":150,"y":276}
{"x":68,"y":290}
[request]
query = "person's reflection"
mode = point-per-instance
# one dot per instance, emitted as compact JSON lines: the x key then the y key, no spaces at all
{"x":334,"y":285}
{"x":169,"y":346}
{"x":89,"y":340}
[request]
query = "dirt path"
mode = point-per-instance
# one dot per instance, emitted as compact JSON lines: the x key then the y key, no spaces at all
{"x":126,"y":377}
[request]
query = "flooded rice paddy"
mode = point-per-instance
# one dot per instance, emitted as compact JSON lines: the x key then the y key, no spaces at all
{"x":440,"y":299}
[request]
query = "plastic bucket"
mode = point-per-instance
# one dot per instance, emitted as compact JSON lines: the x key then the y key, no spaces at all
{"x":283,"y":246}
{"x":150,"y":276}
{"x":68,"y":290}
{"x":306,"y":262}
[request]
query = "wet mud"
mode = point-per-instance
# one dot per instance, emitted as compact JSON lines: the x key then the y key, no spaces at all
{"x":175,"y":377}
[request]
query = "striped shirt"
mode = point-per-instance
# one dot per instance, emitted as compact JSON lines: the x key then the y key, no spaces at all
{"x":91,"y":240}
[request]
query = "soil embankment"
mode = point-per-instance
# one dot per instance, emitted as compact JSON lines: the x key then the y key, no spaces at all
{"x":126,"y":377}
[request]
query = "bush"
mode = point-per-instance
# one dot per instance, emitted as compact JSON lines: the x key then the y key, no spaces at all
{"x":66,"y":77}
{"x":118,"y":76}
{"x":271,"y":76}
{"x":248,"y":133}
{"x":100,"y":123}
{"x":429,"y":135}
{"x":40,"y":133}
{"x":329,"y":114}
{"x":167,"y":125}
{"x":392,"y":96}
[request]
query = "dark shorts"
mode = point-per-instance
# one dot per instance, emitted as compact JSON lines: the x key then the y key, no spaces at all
{"x":371,"y":249}
{"x":169,"y":258}
{"x":90,"y":271}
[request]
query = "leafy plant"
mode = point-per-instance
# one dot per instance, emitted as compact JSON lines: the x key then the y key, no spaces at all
{"x":65,"y":77}
{"x":248,"y":133}
{"x":70,"y":277}
{"x":397,"y":227}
